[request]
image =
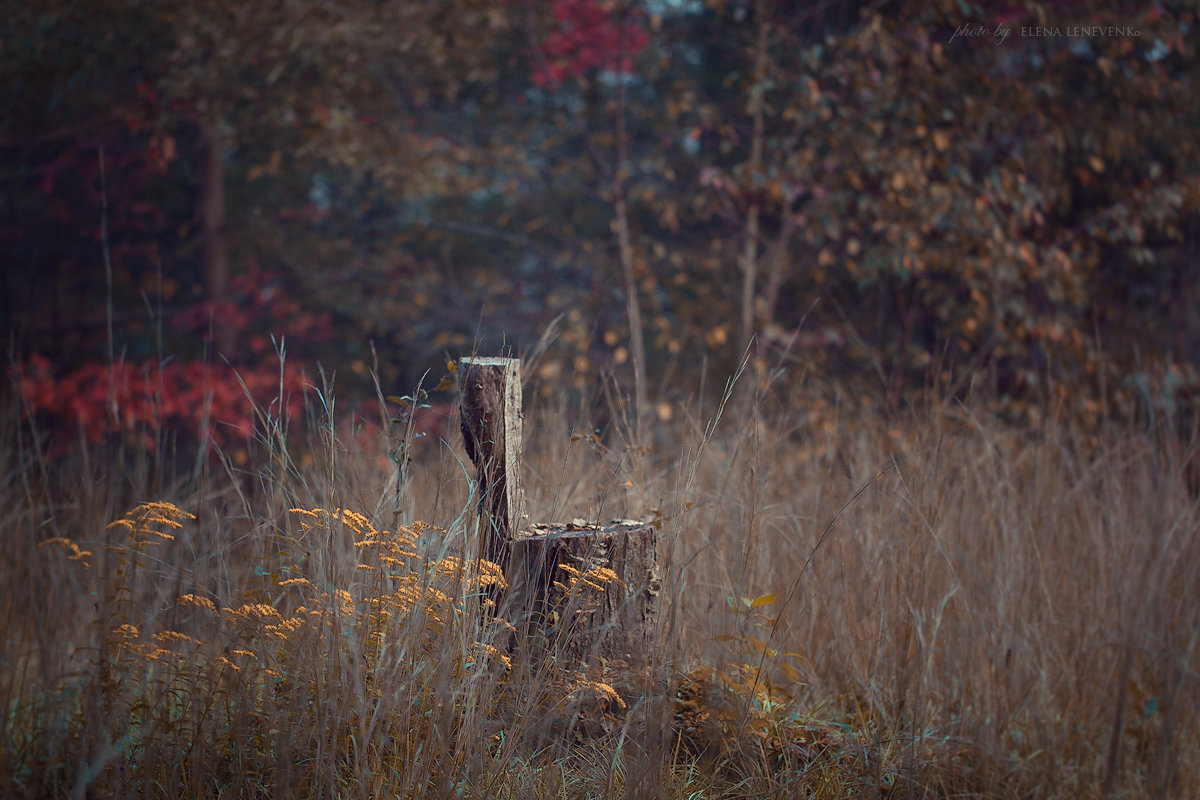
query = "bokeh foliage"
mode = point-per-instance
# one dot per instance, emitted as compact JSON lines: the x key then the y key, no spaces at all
{"x":865,"y":191}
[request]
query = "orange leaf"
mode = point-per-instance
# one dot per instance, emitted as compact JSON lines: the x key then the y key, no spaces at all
{"x":764,"y":600}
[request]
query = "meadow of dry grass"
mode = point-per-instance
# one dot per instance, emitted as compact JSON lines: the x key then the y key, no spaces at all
{"x":927,"y":604}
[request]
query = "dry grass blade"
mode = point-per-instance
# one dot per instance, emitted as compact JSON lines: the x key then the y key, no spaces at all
{"x":995,"y":612}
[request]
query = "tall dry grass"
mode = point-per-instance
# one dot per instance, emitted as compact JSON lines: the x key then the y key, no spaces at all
{"x":927,"y":604}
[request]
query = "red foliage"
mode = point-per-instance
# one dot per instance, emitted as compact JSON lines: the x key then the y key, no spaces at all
{"x":257,"y":295}
{"x":588,"y":36}
{"x":135,"y":400}
{"x":205,"y":401}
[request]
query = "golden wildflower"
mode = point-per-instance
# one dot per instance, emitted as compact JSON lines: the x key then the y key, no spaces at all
{"x":127,"y":632}
{"x":76,"y":553}
{"x":305,"y":582}
{"x":173,"y":636}
{"x":596,"y":578}
{"x":197,"y":600}
{"x":436,"y":597}
{"x":406,"y":598}
{"x":429,"y":538}
{"x":169,"y":510}
{"x":356,"y":521}
{"x":159,"y":519}
{"x":158,"y":654}
{"x":285,"y":627}
{"x":592,"y":584}
{"x":253,"y":611}
{"x":491,"y":574}
{"x":351,"y":519}
{"x":489,"y":651}
{"x":596,"y":691}
{"x":407,"y":537}
{"x":474,"y":574}
{"x":603,"y":575}
{"x":142,"y":522}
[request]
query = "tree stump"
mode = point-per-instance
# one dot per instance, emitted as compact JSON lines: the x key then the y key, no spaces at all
{"x":588,"y":590}
{"x":585,"y":590}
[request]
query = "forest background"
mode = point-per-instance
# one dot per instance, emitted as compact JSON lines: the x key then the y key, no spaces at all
{"x":997,"y":201}
{"x":937,"y":539}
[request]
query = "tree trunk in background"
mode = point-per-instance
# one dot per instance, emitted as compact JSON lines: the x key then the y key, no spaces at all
{"x":749,"y":260}
{"x":776,"y":259}
{"x":215,"y":244}
{"x":637,"y":343}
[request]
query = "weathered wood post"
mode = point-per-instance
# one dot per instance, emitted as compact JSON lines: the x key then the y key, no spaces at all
{"x":586,"y":589}
{"x":490,"y":406}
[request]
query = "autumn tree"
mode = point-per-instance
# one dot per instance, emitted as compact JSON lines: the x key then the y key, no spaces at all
{"x":259,"y":119}
{"x":676,"y":180}
{"x":991,"y":189}
{"x":951,"y":200}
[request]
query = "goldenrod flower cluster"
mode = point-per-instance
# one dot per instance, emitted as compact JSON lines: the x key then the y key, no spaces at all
{"x":596,"y":579}
{"x":401,"y":582}
{"x":145,"y":522}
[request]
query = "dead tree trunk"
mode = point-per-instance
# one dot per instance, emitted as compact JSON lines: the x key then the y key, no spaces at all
{"x":215,"y":238}
{"x":582,"y":590}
